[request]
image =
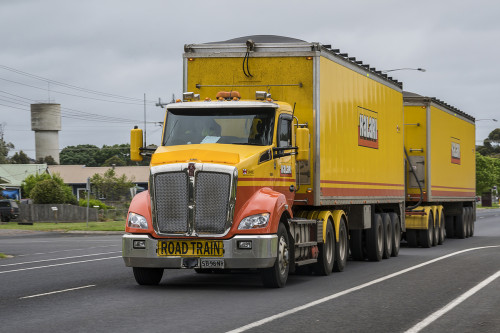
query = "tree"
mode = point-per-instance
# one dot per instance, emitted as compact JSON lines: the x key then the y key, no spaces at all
{"x":5,"y":147}
{"x":114,"y":160}
{"x":487,"y":173}
{"x":91,"y":155}
{"x":110,"y":186}
{"x":494,"y":136}
{"x":31,"y":181}
{"x":491,"y":145}
{"x":20,"y":158}
{"x":81,"y":154}
{"x":47,"y":191}
{"x":47,"y":159}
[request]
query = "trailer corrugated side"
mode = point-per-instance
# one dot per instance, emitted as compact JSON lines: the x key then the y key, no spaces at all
{"x":442,"y":149}
{"x":354,"y":115}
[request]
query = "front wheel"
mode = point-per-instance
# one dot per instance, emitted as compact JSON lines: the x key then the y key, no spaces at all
{"x":276,"y":276}
{"x":148,"y":276}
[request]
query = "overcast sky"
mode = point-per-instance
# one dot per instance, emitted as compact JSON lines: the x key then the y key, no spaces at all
{"x":129,"y":48}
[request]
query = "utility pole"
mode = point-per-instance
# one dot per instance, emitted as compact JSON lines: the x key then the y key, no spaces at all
{"x":145,"y":144}
{"x":88,"y":199}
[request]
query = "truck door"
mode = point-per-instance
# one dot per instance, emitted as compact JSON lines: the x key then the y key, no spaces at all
{"x":285,"y":165}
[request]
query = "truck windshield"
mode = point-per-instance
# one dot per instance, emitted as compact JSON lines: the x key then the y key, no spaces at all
{"x":248,"y":126}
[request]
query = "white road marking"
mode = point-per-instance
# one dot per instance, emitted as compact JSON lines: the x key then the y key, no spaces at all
{"x":55,"y":265}
{"x":351,"y":290}
{"x":58,"y":291}
{"x":433,"y":317}
{"x":52,"y":252}
{"x":64,"y":258}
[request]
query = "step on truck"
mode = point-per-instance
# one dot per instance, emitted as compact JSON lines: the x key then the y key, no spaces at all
{"x":281,"y":154}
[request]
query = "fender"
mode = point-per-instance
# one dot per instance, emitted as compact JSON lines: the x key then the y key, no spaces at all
{"x":439,"y":211}
{"x":419,"y":221}
{"x":141,"y":204}
{"x":324,"y":215}
{"x":264,"y":200}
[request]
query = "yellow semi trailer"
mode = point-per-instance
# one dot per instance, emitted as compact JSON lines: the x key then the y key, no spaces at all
{"x":440,"y":142}
{"x":283,"y":153}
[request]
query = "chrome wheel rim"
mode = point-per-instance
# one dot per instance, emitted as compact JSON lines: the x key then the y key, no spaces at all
{"x":283,"y":255}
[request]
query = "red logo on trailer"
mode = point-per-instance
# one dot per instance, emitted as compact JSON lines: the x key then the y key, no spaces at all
{"x":455,"y":153}
{"x":368,"y":130}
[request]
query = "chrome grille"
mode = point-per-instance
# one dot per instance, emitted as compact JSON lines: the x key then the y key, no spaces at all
{"x":193,"y":199}
{"x":211,"y":198}
{"x":171,"y":202}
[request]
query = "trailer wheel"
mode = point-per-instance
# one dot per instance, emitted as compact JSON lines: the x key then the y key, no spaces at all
{"x":148,"y":276}
{"x":461,"y":224}
{"x":276,"y":276}
{"x":435,"y":238}
{"x":426,"y":236}
{"x":326,"y":257}
{"x":388,"y":235}
{"x":341,"y":248}
{"x":450,"y":226}
{"x":396,"y":234}
{"x":411,"y":237}
{"x":472,"y":221}
{"x":469,"y":221}
{"x":375,"y":239}
{"x":442,"y":230}
{"x":356,"y":245}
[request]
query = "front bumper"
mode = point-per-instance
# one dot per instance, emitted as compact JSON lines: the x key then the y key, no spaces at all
{"x":262,"y":255}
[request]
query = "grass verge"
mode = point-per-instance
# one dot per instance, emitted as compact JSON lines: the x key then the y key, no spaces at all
{"x":73,"y":226}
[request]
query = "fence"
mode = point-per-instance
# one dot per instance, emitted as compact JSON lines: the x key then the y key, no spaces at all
{"x":55,"y":213}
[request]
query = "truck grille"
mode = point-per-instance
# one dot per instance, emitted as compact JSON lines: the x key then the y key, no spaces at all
{"x":171,"y":198}
{"x":200,"y":204}
{"x":211,"y":198}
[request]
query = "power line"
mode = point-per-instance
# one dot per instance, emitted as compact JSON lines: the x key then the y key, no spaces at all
{"x":84,"y":117}
{"x":73,"y":113}
{"x":90,"y":91}
{"x":74,"y":95}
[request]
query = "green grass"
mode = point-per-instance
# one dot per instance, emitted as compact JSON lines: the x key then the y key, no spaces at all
{"x":494,"y":205}
{"x":3,"y":255}
{"x":77,"y":226}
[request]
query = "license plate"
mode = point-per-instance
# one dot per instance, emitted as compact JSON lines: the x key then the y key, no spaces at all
{"x":190,"y":248}
{"x":211,"y":263}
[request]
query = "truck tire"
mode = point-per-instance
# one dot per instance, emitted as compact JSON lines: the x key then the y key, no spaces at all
{"x":469,"y":221}
{"x":435,"y":239}
{"x":326,"y":257}
{"x":461,"y":224}
{"x":356,"y":245}
{"x":388,"y":235}
{"x":411,"y":237}
{"x":375,"y":239}
{"x":276,"y":276}
{"x":341,"y":248}
{"x":450,"y":226}
{"x":442,"y":230}
{"x":426,"y":236}
{"x":148,"y":276}
{"x":396,"y":234}
{"x":472,"y":221}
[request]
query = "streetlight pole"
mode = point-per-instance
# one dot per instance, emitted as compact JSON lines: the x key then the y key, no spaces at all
{"x":487,"y":119}
{"x":404,"y":69}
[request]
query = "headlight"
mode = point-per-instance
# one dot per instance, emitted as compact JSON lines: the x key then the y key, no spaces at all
{"x":137,"y":221}
{"x":254,"y":221}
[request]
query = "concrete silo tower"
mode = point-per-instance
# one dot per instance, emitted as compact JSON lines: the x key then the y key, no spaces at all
{"x":46,"y":122}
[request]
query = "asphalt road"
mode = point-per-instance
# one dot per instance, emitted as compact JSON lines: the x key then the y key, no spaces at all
{"x":78,"y":283}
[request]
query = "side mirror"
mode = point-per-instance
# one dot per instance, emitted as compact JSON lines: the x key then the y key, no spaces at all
{"x":135,"y":144}
{"x":302,"y":144}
